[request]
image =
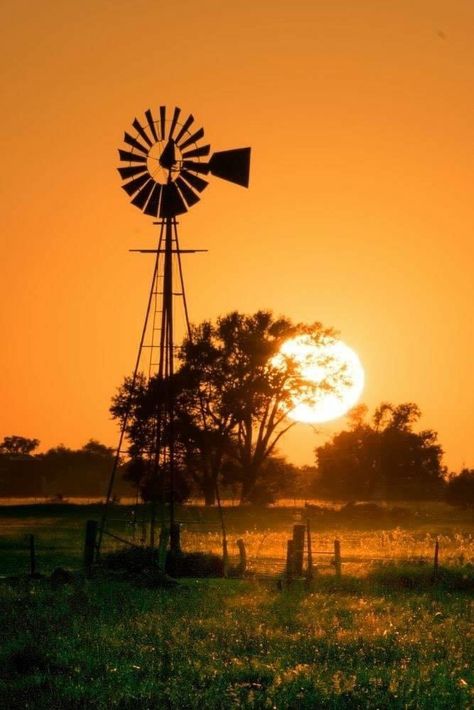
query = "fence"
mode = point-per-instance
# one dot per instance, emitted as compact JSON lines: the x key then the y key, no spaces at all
{"x":264,"y":556}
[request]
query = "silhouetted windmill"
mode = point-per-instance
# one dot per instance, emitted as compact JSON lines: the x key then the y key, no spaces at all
{"x":163,"y":164}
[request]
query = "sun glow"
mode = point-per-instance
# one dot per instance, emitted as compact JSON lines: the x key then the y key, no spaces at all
{"x":333,"y":377}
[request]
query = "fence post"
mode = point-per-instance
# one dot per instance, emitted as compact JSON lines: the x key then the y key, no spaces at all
{"x":162,"y":549}
{"x":337,"y":559}
{"x":309,"y":572}
{"x":225,"y":557}
{"x":290,"y":561}
{"x":243,"y":557}
{"x":436,"y":560}
{"x":31,"y":541}
{"x":175,"y":538}
{"x":89,"y":545}
{"x":299,"y":532}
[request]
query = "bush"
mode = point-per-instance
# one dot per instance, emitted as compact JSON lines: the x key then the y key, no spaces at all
{"x":134,"y":561}
{"x":460,"y":489}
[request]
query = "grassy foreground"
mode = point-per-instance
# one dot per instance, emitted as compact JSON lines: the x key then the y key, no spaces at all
{"x":224,"y":644}
{"x":383,"y":637}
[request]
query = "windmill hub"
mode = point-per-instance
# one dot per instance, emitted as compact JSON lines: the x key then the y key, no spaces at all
{"x":164,"y":161}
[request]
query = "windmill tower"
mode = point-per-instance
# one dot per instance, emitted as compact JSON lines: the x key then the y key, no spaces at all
{"x":164,"y":167}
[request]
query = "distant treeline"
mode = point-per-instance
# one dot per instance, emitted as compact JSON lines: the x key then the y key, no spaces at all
{"x":365,"y":462}
{"x":58,"y":472}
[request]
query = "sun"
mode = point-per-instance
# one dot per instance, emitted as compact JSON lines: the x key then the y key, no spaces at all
{"x":333,"y":376}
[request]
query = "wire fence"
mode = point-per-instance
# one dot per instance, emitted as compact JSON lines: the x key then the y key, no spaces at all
{"x":41,"y":547}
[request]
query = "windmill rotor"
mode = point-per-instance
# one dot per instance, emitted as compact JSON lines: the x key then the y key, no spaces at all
{"x":163,"y":161}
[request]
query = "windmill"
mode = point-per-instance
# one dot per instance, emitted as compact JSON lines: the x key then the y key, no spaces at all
{"x":164,"y":167}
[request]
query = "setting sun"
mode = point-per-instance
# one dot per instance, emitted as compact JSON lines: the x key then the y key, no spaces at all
{"x":333,"y":363}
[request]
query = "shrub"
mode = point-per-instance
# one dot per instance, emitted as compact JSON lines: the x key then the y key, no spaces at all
{"x":460,"y":489}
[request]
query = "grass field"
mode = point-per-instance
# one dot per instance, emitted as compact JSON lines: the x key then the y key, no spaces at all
{"x":382,"y":637}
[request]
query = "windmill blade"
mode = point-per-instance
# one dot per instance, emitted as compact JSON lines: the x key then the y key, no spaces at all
{"x":174,"y":121}
{"x":151,"y":123}
{"x":192,"y":139}
{"x":198,"y":152}
{"x":184,"y":128}
{"x":154,"y":201}
{"x":190,"y":196}
{"x":232,"y":165}
{"x":139,"y":129}
{"x":131,"y":157}
{"x":133,"y":170}
{"x":197,"y":182}
{"x":132,"y":186}
{"x":171,"y":201}
{"x":196,"y":167}
{"x":143,"y":194}
{"x":134,"y":143}
{"x":163,"y":121}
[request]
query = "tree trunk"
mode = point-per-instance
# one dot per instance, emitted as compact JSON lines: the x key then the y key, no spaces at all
{"x":208,"y":488}
{"x":249,"y":479}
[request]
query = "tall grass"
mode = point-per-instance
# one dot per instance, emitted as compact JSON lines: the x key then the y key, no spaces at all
{"x":384,"y":636}
{"x":228,"y":644}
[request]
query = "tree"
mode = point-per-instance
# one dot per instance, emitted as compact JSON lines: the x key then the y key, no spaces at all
{"x":137,"y":403}
{"x":232,"y":393}
{"x":246,"y":387}
{"x":79,"y":472}
{"x":460,"y":489}
{"x":15,"y":445}
{"x":382,"y":459}
{"x":19,"y":470}
{"x":277,"y":479}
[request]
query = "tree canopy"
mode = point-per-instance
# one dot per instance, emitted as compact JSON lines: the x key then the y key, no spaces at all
{"x":382,"y":458}
{"x":58,"y":471}
{"x":460,"y":489}
{"x":232,"y":396}
{"x":18,"y":445}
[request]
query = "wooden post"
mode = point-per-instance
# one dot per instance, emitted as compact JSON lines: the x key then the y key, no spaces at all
{"x":337,"y":559}
{"x":243,"y":557}
{"x":31,"y":541}
{"x":290,"y":561}
{"x":162,"y":549}
{"x":89,"y":545}
{"x":225,"y":556}
{"x":436,"y":560}
{"x":309,"y":571}
{"x":299,"y":532}
{"x":175,"y":538}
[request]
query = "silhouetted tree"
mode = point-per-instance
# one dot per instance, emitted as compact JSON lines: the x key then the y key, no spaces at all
{"x":245,"y":394}
{"x":60,"y":470}
{"x":140,"y":401}
{"x":231,"y":398}
{"x":19,"y":472}
{"x":460,"y":489}
{"x":277,"y":479}
{"x":81,"y":472}
{"x":381,"y":459}
{"x":18,"y":445}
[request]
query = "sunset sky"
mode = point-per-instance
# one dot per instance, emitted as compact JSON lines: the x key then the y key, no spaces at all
{"x":359,"y":214}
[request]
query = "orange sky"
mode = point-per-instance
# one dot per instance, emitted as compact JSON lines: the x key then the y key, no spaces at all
{"x":359,"y":213}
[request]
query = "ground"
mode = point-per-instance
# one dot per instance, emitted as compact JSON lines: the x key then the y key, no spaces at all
{"x":381,"y":637}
